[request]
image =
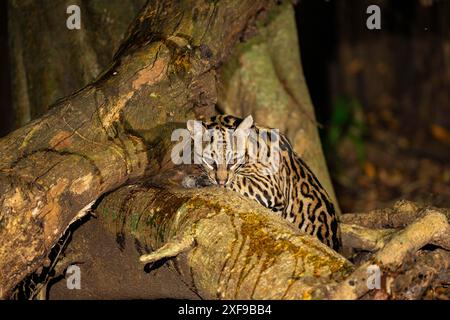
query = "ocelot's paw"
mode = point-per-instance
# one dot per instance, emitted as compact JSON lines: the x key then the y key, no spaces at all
{"x":193,"y":181}
{"x":189,"y":182}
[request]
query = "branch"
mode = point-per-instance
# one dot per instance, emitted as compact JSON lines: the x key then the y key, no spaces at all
{"x":171,"y":249}
{"x":431,"y":227}
{"x":401,"y":214}
{"x":357,"y":237}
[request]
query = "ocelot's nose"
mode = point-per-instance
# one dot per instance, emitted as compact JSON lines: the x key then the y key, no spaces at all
{"x":221,"y":177}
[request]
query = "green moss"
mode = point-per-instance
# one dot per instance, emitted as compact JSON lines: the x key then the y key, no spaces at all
{"x":107,"y":213}
{"x":311,"y":257}
{"x":134,"y":222}
{"x":262,"y":242}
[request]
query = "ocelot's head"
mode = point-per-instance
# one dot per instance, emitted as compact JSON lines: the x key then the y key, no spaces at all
{"x":220,"y":146}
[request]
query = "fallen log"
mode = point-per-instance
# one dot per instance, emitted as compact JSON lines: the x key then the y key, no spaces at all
{"x":215,"y":244}
{"x":222,"y":244}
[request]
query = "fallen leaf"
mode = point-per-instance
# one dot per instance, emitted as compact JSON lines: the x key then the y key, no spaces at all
{"x":370,"y":169}
{"x":440,"y":133}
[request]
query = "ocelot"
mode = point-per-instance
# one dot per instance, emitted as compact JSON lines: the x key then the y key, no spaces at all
{"x":230,"y":156}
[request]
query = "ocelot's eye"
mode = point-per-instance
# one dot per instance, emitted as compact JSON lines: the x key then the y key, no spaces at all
{"x":208,"y":162}
{"x":235,"y":165}
{"x":239,"y":157}
{"x":229,"y":158}
{"x":238,"y":160}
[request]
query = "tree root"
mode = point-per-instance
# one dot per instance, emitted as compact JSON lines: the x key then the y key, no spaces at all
{"x":171,"y":249}
{"x":430,"y":228}
{"x":424,"y":270}
{"x":407,"y":271}
{"x":400,"y":215}
{"x":362,"y":238}
{"x":241,"y":249}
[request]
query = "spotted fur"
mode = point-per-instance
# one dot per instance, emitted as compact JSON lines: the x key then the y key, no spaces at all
{"x":293,"y":191}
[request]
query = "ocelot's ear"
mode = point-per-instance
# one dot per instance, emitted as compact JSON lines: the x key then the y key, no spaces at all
{"x":245,"y":125}
{"x":196,"y":128}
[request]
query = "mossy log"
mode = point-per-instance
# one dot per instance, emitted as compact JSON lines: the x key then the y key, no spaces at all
{"x":211,"y":243}
{"x":224,"y":245}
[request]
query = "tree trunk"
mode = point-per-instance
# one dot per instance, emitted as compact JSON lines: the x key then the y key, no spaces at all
{"x":49,"y":61}
{"x":264,"y":77}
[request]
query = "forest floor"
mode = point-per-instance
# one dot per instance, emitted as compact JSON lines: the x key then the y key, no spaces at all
{"x":395,"y":168}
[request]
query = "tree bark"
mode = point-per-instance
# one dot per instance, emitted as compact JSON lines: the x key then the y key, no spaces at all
{"x":205,"y":243}
{"x":114,"y":130}
{"x":49,"y":61}
{"x":225,"y":246}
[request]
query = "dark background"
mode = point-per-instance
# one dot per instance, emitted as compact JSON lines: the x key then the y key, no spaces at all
{"x":381,"y":96}
{"x":5,"y":81}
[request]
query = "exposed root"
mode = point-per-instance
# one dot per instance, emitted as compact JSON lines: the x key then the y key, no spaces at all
{"x":432,"y":227}
{"x":402,"y":214}
{"x":419,"y":273}
{"x":171,"y":249}
{"x":362,"y":238}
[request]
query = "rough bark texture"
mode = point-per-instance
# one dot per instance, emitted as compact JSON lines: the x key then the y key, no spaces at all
{"x":115,"y":129}
{"x":49,"y":61}
{"x":240,"y":251}
{"x":205,"y":243}
{"x":431,"y":226}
